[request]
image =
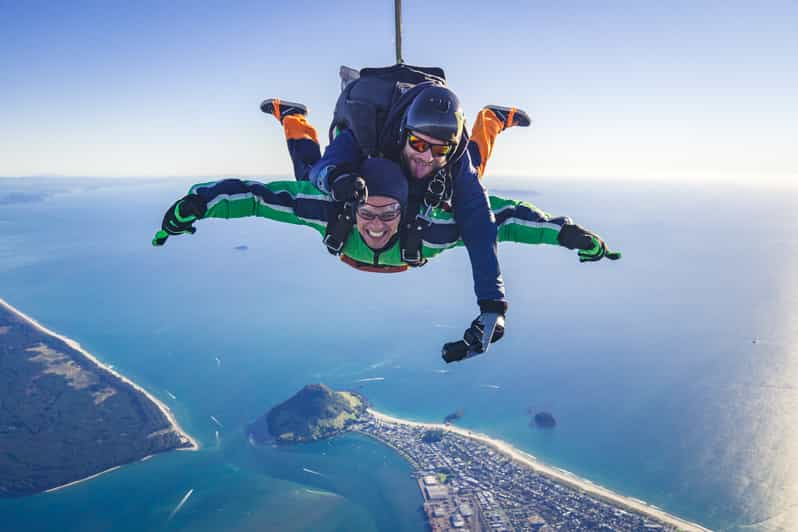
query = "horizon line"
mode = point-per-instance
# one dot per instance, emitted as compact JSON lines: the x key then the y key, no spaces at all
{"x":783,"y":179}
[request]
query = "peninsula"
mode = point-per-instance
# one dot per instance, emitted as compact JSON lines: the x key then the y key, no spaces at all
{"x":65,"y":417}
{"x":474,"y":482}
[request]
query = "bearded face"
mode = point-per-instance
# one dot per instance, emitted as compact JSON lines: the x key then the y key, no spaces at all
{"x":422,"y":164}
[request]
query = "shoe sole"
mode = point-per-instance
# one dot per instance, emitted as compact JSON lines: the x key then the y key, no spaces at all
{"x":520,"y":117}
{"x":267,"y":106}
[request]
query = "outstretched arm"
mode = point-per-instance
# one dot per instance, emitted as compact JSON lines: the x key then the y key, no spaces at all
{"x":284,"y":201}
{"x":522,"y":222}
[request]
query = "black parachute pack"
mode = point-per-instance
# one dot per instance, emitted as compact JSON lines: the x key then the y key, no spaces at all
{"x":368,"y":97}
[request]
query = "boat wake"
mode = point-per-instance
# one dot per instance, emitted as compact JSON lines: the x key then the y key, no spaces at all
{"x":306,"y":470}
{"x":181,"y":503}
{"x":371,"y":379}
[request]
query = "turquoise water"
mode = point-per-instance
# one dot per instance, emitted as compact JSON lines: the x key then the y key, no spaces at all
{"x":670,"y":372}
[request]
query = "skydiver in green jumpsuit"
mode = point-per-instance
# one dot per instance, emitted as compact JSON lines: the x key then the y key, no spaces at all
{"x":373,"y":242}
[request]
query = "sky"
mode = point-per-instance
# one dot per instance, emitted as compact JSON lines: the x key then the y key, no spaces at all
{"x":634,"y":90}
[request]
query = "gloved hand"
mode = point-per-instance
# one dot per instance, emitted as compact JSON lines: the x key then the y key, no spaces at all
{"x":474,"y":336}
{"x":486,"y":329}
{"x":179,"y":218}
{"x":591,"y":246}
{"x":597,"y":252}
{"x":347,"y":186}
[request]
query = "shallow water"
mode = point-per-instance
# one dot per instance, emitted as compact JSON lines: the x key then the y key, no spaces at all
{"x":669,"y":372}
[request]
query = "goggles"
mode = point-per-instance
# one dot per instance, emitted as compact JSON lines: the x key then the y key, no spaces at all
{"x":384,"y":216}
{"x":421,"y":145}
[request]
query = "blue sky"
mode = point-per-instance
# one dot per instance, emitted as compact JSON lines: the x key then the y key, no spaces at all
{"x":666,"y":90}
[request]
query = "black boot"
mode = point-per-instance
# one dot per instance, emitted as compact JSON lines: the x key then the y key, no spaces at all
{"x":282,"y":108}
{"x":520,"y":118}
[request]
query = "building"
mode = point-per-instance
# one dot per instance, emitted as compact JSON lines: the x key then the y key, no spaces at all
{"x":437,"y":492}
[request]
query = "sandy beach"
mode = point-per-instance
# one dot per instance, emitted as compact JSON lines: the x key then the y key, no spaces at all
{"x":557,"y":474}
{"x":78,"y":481}
{"x":192,"y":444}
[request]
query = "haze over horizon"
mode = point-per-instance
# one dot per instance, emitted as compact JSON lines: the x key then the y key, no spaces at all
{"x":625,"y":90}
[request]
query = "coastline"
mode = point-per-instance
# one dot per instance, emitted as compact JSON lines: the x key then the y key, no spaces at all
{"x":191,"y":443}
{"x":557,"y":474}
{"x":78,"y":481}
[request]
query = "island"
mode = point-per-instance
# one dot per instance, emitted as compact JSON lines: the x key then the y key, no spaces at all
{"x":544,"y":420}
{"x":454,"y":416}
{"x":65,"y":417}
{"x":469,"y":480}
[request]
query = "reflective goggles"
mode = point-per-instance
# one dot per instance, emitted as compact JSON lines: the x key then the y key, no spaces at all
{"x":421,"y":145}
{"x":385,"y":216}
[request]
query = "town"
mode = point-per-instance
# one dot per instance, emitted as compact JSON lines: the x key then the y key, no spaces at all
{"x":468,"y":485}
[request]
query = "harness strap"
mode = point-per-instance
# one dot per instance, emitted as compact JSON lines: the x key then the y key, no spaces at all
{"x":411,"y":238}
{"x":438,"y":192}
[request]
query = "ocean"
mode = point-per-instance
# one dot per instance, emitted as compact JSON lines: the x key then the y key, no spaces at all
{"x":670,"y":373}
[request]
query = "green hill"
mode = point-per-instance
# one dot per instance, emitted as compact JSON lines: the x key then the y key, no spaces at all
{"x":315,"y":412}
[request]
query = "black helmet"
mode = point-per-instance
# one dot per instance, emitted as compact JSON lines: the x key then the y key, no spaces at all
{"x":436,"y":112}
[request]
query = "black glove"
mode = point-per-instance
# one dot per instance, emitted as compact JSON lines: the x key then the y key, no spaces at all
{"x":180,"y":217}
{"x":346,"y":186}
{"x":591,"y":246}
{"x":474,"y":335}
{"x":474,"y":340}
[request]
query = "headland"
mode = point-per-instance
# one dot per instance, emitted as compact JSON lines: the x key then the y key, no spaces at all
{"x":65,"y":416}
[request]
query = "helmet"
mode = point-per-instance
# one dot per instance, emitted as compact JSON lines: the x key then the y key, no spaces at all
{"x":436,"y":112}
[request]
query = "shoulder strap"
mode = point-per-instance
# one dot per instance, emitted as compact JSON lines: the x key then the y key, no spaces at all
{"x":438,"y":192}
